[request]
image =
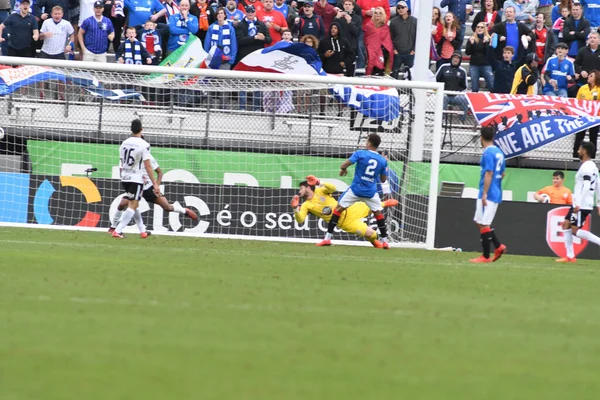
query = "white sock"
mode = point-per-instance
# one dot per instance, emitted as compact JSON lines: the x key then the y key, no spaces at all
{"x":116,"y":219}
{"x":127,"y":215}
{"x":588,"y":236}
{"x":383,"y":239}
{"x":328,"y":236}
{"x":138,"y":221}
{"x":568,"y":235}
{"x":178,"y":209}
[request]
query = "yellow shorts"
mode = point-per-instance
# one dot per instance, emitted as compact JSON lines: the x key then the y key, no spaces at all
{"x":353,"y":223}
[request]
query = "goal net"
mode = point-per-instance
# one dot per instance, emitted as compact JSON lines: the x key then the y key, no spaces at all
{"x":233,"y":146}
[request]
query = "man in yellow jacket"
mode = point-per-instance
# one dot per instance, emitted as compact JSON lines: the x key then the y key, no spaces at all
{"x":525,"y":81}
{"x":591,"y":91}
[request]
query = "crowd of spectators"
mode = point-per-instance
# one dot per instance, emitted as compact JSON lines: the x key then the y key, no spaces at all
{"x":348,"y":34}
{"x":514,"y":46}
{"x":378,"y":36}
{"x":521,"y":47}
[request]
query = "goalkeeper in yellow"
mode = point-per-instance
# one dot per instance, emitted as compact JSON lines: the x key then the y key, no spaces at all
{"x":319,"y":202}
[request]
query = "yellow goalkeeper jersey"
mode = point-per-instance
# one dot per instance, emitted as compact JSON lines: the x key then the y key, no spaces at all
{"x":322,"y":205}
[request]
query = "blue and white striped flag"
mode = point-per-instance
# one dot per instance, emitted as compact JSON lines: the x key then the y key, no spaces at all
{"x":377,"y":102}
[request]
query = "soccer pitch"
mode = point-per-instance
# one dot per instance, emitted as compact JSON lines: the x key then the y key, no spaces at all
{"x":85,"y":316}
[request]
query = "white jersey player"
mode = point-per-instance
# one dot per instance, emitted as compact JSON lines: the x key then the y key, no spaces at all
{"x":134,"y":154}
{"x":586,"y":186}
{"x":151,"y":197}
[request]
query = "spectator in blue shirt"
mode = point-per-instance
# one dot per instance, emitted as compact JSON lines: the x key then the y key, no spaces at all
{"x":221,"y":34}
{"x":235,"y":14}
{"x":524,"y":13}
{"x":5,"y":6}
{"x":559,"y":71}
{"x":591,"y":10}
{"x":510,"y":33}
{"x":141,"y":11}
{"x":576,"y":30}
{"x":95,"y":33}
{"x":23,"y":29}
{"x":181,"y":26}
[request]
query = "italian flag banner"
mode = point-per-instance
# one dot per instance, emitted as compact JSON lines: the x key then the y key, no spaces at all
{"x":190,"y":55}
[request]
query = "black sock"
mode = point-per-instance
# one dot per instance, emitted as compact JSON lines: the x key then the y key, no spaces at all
{"x":382,"y":227}
{"x":495,"y":239}
{"x":333,"y":223}
{"x":486,"y":242}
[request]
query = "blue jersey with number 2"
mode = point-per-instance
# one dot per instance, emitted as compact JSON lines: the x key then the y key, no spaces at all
{"x":492,"y":159}
{"x":369,"y":166}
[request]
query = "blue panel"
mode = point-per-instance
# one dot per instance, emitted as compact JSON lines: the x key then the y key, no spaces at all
{"x":14,"y":197}
{"x":41,"y":202}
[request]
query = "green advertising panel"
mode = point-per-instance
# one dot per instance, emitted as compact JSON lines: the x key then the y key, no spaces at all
{"x":267,"y":170}
{"x":519,"y":181}
{"x":208,"y":166}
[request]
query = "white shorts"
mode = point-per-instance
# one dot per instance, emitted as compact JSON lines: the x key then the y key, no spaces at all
{"x":348,"y":198}
{"x":93,"y":57}
{"x":485,"y":215}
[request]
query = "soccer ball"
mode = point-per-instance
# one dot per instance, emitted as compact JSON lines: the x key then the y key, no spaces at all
{"x":545,"y":198}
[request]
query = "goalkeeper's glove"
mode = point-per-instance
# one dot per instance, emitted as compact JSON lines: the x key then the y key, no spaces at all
{"x":295,"y":201}
{"x":313,"y":180}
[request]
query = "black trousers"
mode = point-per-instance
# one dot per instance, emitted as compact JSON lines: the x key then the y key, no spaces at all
{"x":579,"y":136}
{"x":26,"y":52}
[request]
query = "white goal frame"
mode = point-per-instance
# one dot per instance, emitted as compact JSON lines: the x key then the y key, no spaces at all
{"x":416,"y":146}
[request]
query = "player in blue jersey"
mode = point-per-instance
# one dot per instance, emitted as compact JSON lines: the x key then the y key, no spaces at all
{"x":490,"y":195}
{"x":370,"y":165}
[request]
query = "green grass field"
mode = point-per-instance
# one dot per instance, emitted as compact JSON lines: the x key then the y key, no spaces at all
{"x":85,"y":316}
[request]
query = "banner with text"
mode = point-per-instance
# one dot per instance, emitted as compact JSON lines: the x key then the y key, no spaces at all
{"x":525,"y":123}
{"x":84,"y":202}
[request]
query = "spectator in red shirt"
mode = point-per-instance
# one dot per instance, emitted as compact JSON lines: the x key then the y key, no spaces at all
{"x":368,"y":9}
{"x":273,"y":19}
{"x":545,"y":42}
{"x":437,"y":28}
{"x":378,"y":42}
{"x":326,"y":11}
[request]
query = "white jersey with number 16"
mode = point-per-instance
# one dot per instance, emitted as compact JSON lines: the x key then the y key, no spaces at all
{"x":133,"y":152}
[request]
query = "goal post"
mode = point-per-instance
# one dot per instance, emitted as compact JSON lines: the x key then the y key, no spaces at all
{"x":233,"y":146}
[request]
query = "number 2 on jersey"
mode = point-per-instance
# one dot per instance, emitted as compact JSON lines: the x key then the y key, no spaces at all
{"x":370,"y":170}
{"x":499,"y":161}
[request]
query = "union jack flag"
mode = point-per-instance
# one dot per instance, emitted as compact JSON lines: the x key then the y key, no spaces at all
{"x":505,"y":110}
